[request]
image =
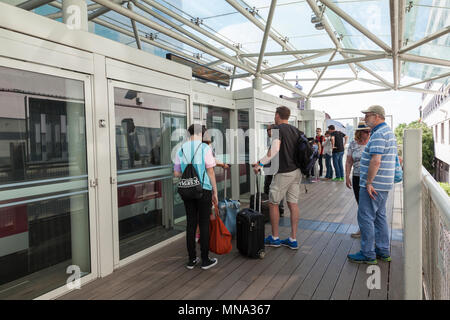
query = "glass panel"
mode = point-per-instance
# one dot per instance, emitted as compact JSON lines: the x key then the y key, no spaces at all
{"x":138,"y":127}
{"x":244,"y":159}
{"x":140,"y":217}
{"x":172,"y":124}
{"x":217,"y":120}
{"x":44,"y":211}
{"x":148,"y":206}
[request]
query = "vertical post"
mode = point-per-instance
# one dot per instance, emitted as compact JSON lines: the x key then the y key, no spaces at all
{"x":412,"y":205}
{"x":257,"y":83}
{"x":234,"y":150}
{"x":75,"y":14}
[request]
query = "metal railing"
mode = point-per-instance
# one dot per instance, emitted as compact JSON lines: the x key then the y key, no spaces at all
{"x":426,"y":212}
{"x":435,"y":239}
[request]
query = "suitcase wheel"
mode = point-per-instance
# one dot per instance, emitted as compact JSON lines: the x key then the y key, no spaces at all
{"x":261,"y":254}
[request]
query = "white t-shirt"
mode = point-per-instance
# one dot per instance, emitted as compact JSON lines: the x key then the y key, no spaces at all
{"x":327,"y":148}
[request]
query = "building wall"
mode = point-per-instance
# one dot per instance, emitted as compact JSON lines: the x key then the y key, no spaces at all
{"x":436,"y":114}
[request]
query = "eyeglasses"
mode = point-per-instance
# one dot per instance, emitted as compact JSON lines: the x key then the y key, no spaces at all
{"x":369,"y":114}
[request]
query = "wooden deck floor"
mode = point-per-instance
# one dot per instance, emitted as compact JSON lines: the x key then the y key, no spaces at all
{"x":317,"y":270}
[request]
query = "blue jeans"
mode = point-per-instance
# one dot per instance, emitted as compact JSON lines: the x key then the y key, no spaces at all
{"x":373,"y":223}
{"x":337,"y":163}
{"x":328,"y":166}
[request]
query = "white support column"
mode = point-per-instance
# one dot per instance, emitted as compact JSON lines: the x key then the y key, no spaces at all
{"x":412,"y":213}
{"x":105,"y":176}
{"x":75,"y":14}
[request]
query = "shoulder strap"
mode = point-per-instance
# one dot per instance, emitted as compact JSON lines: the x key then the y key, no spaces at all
{"x":192,"y":156}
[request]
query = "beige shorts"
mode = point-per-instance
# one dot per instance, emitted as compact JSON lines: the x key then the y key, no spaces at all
{"x":285,"y":185}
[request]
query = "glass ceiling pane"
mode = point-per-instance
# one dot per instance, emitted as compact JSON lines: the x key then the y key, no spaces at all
{"x":302,"y":34}
{"x":372,"y":15}
{"x":424,"y":71}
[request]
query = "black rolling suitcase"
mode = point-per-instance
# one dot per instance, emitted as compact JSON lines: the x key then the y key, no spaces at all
{"x":250,"y":232}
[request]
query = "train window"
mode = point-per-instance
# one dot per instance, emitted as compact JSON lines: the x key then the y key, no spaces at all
{"x":140,"y":128}
{"x":38,"y":113}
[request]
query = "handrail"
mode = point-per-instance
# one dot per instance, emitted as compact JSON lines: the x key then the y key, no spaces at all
{"x":440,"y":198}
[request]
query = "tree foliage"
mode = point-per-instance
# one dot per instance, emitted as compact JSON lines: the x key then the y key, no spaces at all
{"x":427,"y":142}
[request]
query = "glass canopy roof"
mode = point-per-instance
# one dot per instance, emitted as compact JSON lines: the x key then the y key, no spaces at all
{"x":382,"y":43}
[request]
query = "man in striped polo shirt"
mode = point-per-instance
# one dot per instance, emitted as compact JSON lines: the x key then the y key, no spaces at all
{"x":377,"y":168}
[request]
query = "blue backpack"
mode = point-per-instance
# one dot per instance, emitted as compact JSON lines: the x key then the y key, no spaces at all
{"x":398,"y":176}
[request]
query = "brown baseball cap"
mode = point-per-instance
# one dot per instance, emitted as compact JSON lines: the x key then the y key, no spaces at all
{"x":375,"y":109}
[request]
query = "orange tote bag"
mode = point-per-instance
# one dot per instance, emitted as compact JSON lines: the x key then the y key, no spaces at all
{"x":219,"y":236}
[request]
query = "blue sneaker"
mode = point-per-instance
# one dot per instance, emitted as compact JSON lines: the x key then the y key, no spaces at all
{"x":384,"y":257}
{"x":360,"y":258}
{"x":291,"y":244}
{"x":270,"y":241}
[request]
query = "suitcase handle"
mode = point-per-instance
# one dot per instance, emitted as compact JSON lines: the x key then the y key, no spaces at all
{"x":225,"y":185}
{"x":258,"y":190}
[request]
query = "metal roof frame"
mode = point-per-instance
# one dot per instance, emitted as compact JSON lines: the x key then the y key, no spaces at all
{"x":253,"y":63}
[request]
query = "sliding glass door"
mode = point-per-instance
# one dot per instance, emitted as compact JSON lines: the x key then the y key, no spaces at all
{"x":146,"y":212}
{"x":46,"y":164}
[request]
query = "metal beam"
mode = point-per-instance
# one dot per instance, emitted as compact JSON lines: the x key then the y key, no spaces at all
{"x":426,"y":39}
{"x":361,"y":52}
{"x":287,"y":53}
{"x":348,"y":93}
{"x":296,"y":61}
{"x":273,"y":5}
{"x":376,"y":83}
{"x":426,"y":60}
{"x":393,"y":11}
{"x":33,"y":4}
{"x":332,"y":87}
{"x":433,"y":92}
{"x":135,"y":30}
{"x":447,"y":74}
{"x":356,"y":25}
{"x":146,"y":40}
{"x":330,"y":63}
{"x":323,"y":79}
{"x":401,"y":29}
{"x":312,"y":4}
{"x":320,"y":75}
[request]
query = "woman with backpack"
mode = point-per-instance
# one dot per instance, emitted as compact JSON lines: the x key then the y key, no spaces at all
{"x":194,"y":163}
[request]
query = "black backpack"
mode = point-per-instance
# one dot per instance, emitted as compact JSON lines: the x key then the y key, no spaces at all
{"x":304,"y":157}
{"x":189,"y":186}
